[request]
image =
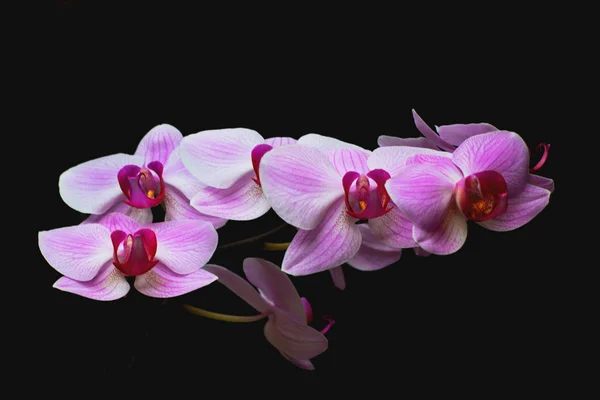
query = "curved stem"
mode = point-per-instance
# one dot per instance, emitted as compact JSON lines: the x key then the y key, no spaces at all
{"x":276,"y":246}
{"x":253,"y":238}
{"x":223,"y":317}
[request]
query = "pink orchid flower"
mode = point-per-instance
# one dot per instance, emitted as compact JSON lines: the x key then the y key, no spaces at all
{"x":323,"y":186}
{"x":132,"y":184}
{"x":166,"y":258}
{"x":486,"y":180}
{"x":449,"y":137}
{"x":227,"y":161}
{"x":287,"y":328}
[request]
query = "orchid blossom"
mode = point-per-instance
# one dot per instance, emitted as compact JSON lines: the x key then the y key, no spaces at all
{"x":132,"y":184}
{"x":166,"y":258}
{"x":486,"y":180}
{"x":323,"y":186}
{"x":276,"y":299}
{"x":227,"y":161}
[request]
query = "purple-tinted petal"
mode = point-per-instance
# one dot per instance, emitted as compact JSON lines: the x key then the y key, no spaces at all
{"x":158,"y":143}
{"x":92,"y":187}
{"x":240,"y":287}
{"x":333,"y":242}
{"x":300,"y":184}
{"x":455,"y":134}
{"x":280,"y":141}
{"x":119,"y":222}
{"x":421,"y":252}
{"x":162,"y":282}
{"x":430,"y":134}
{"x":447,"y":238}
{"x":392,"y":159}
{"x":304,"y":364}
{"x":139,"y":215}
{"x":108,"y":285}
{"x":384,"y":140}
{"x":243,"y":201}
{"x":325,"y":142}
{"x":176,"y":175}
{"x":337,"y":275}
{"x":423,"y":192}
{"x":77,"y":252}
{"x":219,"y":157}
{"x":345,"y":160}
{"x":294,"y":338}
{"x":373,"y":254}
{"x":275,"y":285}
{"x":178,"y":208}
{"x":541,"y":181}
{"x":501,"y":151}
{"x":521,"y":209}
{"x":185,"y":246}
{"x":393,"y":229}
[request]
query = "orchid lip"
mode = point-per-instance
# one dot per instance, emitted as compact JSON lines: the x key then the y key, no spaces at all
{"x":366,"y":202}
{"x":140,"y":185}
{"x":482,"y":196}
{"x":138,"y":253}
{"x":257,"y":154}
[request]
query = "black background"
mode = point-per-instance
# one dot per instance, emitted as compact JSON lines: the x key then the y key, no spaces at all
{"x":491,"y":313}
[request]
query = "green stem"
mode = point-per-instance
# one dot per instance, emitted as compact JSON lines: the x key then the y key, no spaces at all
{"x":223,"y":317}
{"x":276,"y":246}
{"x":252,"y":239}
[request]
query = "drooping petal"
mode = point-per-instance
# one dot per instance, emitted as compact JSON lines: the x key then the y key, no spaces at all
{"x":521,"y":209}
{"x":176,"y":175}
{"x":455,"y":134}
{"x":275,"y":285}
{"x":423,"y":192}
{"x":447,"y":238}
{"x":139,"y":215}
{"x":294,"y":338}
{"x":337,"y":275}
{"x":242,"y":201}
{"x":304,"y":364}
{"x":92,"y":187}
{"x":240,"y":287}
{"x":373,"y":253}
{"x":501,"y":151}
{"x":162,"y":282}
{"x":158,"y":143}
{"x":77,"y":252}
{"x":332,"y":243}
{"x":219,"y":157}
{"x":421,"y":252}
{"x":119,"y":222}
{"x":345,"y":160}
{"x":393,"y":159}
{"x":393,"y":229}
{"x":384,"y":140}
{"x":300,"y":184}
{"x":325,"y":142}
{"x":185,"y":246}
{"x":430,"y":134}
{"x":280,"y":141}
{"x":178,"y":208}
{"x":541,"y":181}
{"x":108,"y":285}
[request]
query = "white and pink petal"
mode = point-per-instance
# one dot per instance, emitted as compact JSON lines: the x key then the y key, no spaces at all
{"x":162,"y":282}
{"x":159,"y":143}
{"x":108,"y":285}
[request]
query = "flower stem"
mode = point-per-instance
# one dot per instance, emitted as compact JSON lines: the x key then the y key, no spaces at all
{"x":276,"y":246}
{"x":223,"y":317}
{"x":252,"y":239}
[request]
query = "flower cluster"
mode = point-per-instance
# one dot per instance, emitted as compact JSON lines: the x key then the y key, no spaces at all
{"x":350,"y":206}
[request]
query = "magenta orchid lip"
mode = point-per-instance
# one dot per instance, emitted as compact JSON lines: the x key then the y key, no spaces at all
{"x":350,"y":206}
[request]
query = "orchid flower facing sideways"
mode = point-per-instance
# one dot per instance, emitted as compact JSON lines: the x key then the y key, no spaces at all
{"x":227,"y":161}
{"x":132,"y":184}
{"x":288,"y":315}
{"x":486,"y":180}
{"x":323,"y":186}
{"x":449,"y":137}
{"x":166,"y":258}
